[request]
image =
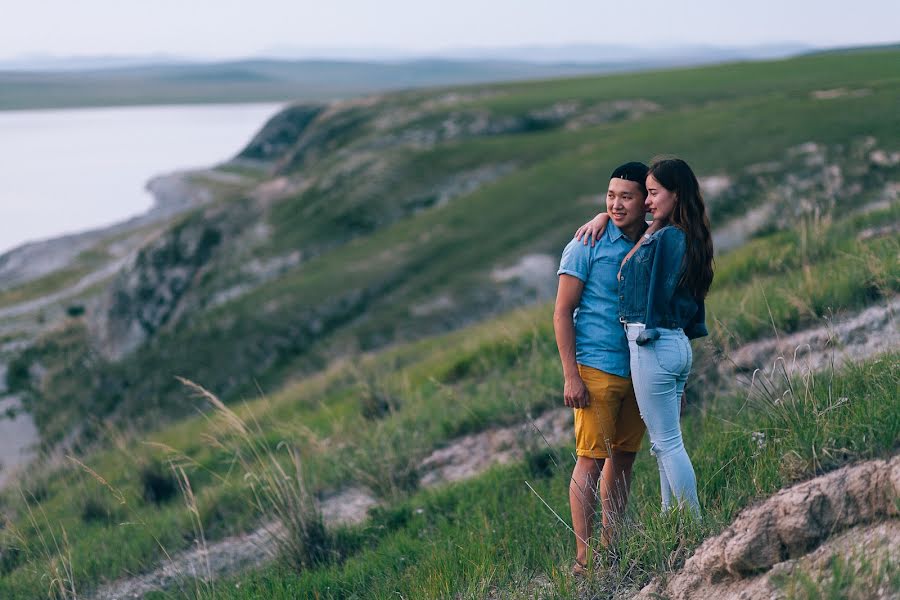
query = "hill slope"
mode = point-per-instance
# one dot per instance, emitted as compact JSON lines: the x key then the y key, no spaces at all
{"x":361,"y":260}
{"x":358,"y":224}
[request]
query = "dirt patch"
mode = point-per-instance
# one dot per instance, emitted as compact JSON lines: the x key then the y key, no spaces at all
{"x":789,"y":526}
{"x":347,"y":507}
{"x":534,"y":271}
{"x":839,"y":93}
{"x":736,"y":231}
{"x":475,"y":453}
{"x":235,"y":553}
{"x":853,"y":338}
{"x":712,"y":186}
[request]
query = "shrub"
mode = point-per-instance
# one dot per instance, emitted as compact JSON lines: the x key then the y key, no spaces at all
{"x":158,"y":484}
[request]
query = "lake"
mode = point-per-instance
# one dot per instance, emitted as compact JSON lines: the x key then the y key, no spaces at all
{"x":64,"y":171}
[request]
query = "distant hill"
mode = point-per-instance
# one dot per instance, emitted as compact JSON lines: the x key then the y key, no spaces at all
{"x":48,"y":82}
{"x":260,"y":80}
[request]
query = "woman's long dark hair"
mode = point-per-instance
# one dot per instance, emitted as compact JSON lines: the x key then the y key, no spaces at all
{"x":689,"y":215}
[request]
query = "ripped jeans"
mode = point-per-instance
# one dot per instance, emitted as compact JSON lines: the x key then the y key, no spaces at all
{"x":659,"y":370}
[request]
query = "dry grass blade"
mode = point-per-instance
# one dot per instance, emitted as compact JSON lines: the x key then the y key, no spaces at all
{"x":292,"y":513}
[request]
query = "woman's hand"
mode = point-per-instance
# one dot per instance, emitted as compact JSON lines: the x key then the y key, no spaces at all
{"x":593,"y":229}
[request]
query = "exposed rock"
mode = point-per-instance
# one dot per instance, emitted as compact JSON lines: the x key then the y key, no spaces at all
{"x":145,"y":295}
{"x":891,"y":229}
{"x":839,"y":93}
{"x":606,"y":112}
{"x":347,"y":507}
{"x":556,"y":112}
{"x":281,"y":132}
{"x":234,"y":553}
{"x":884,"y":159}
{"x":472,"y":454}
{"x":787,"y":526}
{"x":436,"y":305}
{"x":535,"y":271}
{"x":865,"y":334}
{"x":712,"y":186}
{"x":735,"y":232}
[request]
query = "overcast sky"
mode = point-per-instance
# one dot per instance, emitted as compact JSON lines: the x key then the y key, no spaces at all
{"x":235,"y":28}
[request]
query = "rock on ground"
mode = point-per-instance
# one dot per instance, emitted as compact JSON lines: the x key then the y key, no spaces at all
{"x":472,"y":454}
{"x":870,"y":332}
{"x":793,"y":530}
{"x":233,"y":554}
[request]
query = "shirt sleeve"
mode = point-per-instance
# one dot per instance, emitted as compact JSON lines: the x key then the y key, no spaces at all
{"x":576,"y":260}
{"x":668,"y":262}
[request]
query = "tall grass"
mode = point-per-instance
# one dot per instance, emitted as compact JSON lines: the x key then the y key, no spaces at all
{"x":493,"y":533}
{"x":50,"y":545}
{"x":279,"y":492}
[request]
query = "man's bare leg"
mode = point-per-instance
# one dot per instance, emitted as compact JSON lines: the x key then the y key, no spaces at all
{"x":583,"y":501}
{"x":614,"y":487}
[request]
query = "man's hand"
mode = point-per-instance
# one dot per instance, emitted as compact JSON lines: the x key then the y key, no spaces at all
{"x":593,"y":229}
{"x":575,"y":393}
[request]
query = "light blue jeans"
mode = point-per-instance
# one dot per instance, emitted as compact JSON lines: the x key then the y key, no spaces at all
{"x":659,"y":370}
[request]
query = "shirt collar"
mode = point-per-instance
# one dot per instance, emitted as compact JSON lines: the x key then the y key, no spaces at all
{"x":613,"y":232}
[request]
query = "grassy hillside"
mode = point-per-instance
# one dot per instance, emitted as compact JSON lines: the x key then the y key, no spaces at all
{"x":372,"y":423}
{"x":381,"y":220}
{"x":367,"y":271}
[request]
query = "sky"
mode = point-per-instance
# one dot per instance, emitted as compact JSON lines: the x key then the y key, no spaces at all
{"x":215,"y":29}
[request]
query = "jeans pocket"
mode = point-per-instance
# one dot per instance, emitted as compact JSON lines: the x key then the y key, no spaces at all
{"x":670,"y":355}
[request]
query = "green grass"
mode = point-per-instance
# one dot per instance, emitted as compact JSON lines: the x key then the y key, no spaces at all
{"x":507,"y":371}
{"x":795,"y":278}
{"x":493,"y":533}
{"x":336,"y":342}
{"x":371,"y":245}
{"x":864,"y":574}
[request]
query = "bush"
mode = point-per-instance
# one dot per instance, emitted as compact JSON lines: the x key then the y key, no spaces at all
{"x":158,"y":484}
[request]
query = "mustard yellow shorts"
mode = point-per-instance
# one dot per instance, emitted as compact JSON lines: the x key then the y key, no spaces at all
{"x":612,"y":421}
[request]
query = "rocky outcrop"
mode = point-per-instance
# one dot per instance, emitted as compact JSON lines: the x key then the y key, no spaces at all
{"x":280,"y":133}
{"x":148,"y":294}
{"x":786,"y":527}
{"x":852,"y":338}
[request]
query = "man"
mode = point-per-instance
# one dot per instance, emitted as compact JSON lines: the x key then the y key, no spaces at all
{"x":595,"y":360}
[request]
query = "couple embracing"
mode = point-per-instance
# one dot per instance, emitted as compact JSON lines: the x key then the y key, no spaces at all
{"x":630,"y":297}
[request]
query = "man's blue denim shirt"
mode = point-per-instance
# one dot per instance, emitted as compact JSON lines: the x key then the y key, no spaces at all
{"x":649,"y":292}
{"x":600,"y":340}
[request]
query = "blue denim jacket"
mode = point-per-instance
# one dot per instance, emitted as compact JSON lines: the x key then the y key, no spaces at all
{"x":649,"y":292}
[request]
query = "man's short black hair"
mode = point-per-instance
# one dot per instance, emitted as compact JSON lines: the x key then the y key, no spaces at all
{"x":633,"y":171}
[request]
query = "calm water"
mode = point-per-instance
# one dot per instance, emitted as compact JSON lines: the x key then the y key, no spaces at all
{"x":63,"y":171}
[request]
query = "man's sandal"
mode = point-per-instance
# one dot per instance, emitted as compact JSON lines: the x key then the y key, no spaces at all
{"x":579,"y":569}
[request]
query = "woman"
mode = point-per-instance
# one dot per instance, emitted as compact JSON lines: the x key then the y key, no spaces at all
{"x":663,"y":282}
